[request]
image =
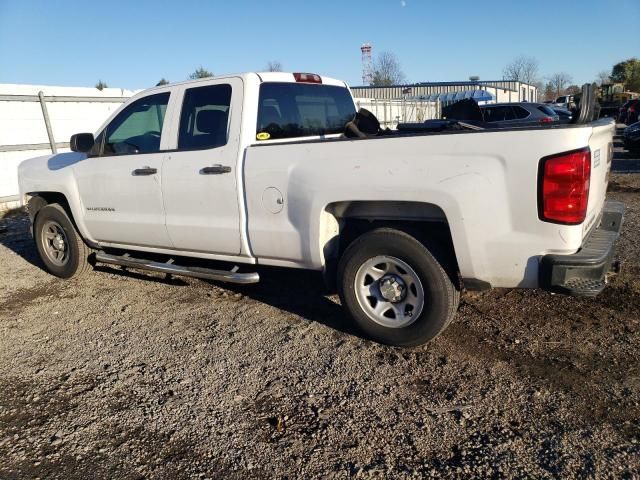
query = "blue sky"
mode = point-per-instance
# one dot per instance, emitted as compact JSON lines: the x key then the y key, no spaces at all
{"x":133,"y":44}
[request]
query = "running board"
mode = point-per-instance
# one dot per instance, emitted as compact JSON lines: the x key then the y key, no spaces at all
{"x":230,"y":276}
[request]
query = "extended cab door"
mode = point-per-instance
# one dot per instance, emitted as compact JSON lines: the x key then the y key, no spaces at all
{"x":199,"y":177}
{"x":120,"y":182}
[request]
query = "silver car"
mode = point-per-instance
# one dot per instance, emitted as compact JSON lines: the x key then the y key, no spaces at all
{"x":520,"y":114}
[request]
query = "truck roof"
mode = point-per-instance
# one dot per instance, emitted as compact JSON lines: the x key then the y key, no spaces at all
{"x":283,"y":77}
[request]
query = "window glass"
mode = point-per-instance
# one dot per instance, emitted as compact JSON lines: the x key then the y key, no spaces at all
{"x":498,"y":114}
{"x":519,"y":112}
{"x":288,"y":110}
{"x":138,"y":127}
{"x":204,"y":118}
{"x":546,"y":110}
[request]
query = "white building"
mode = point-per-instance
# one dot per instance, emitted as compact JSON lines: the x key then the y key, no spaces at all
{"x":501,"y":90}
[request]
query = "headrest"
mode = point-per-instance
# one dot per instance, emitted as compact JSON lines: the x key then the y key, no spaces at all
{"x":211,"y":121}
{"x":269,"y":115}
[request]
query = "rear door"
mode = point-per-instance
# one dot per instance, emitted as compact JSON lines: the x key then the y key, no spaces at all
{"x":199,"y":176}
{"x":120,"y":182}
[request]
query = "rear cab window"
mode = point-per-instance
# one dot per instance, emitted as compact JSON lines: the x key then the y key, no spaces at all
{"x":292,"y":110}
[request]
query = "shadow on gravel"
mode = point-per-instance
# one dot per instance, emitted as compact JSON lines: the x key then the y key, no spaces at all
{"x":15,"y":235}
{"x":300,"y":292}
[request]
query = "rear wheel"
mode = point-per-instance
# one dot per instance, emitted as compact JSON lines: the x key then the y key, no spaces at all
{"x":397,"y":292}
{"x":59,"y":244}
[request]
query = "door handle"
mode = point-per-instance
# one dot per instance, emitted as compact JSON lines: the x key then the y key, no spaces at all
{"x":145,"y":171}
{"x":215,"y":170}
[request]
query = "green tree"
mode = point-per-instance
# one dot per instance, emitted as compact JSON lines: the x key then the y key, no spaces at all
{"x":628,"y":73}
{"x":201,"y":73}
{"x":163,"y":81}
{"x":101,"y":85}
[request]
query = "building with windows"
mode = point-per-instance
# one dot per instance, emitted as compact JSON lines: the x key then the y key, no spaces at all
{"x":491,"y":91}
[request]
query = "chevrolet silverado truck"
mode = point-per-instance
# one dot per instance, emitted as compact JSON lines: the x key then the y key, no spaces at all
{"x":260,"y":169}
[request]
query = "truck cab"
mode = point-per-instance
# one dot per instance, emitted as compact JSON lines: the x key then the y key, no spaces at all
{"x":260,"y":169}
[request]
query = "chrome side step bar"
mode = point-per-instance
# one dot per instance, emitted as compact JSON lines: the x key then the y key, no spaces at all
{"x":231,"y":276}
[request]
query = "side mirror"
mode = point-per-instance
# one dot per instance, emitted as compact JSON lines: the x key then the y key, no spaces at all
{"x":81,"y":142}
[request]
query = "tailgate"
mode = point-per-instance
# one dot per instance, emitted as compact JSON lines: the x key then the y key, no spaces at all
{"x":601,"y":145}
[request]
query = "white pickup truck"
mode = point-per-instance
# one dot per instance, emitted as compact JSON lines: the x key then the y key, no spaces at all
{"x":255,"y":169}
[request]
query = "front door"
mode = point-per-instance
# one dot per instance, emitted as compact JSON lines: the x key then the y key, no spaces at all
{"x":120,"y":182}
{"x":199,"y":178}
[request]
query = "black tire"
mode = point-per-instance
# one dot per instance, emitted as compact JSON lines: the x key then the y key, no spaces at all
{"x":76,"y":262}
{"x":441,"y":296}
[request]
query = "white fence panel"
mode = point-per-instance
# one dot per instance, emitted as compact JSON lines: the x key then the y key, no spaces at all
{"x":23,"y":132}
{"x":391,"y":112}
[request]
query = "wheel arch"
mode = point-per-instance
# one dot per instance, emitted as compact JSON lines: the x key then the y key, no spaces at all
{"x":38,"y":199}
{"x":342,"y":222}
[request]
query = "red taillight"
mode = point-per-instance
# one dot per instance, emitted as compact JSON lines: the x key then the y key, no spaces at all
{"x":546,"y":120}
{"x":307,"y":77}
{"x":564,"y":187}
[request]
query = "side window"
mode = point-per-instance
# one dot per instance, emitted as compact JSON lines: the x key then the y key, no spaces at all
{"x":498,"y":114}
{"x":520,"y":112}
{"x":488,"y":114}
{"x":138,"y":127}
{"x":508,"y":113}
{"x":204,"y":117}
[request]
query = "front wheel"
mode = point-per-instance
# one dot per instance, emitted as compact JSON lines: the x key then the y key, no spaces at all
{"x":59,"y":244}
{"x":397,"y":292}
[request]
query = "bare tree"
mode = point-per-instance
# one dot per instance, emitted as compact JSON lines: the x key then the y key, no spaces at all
{"x":386,"y":70}
{"x":573,"y":90}
{"x":274,"y":66}
{"x":602,"y":78}
{"x":522,"y":69}
{"x":549,"y":92}
{"x":101,"y":85}
{"x":559,"y":81}
{"x":200,"y":73}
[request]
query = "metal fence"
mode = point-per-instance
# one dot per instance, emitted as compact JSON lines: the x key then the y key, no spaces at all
{"x":42,"y":99}
{"x":36,"y":124}
{"x":391,"y":112}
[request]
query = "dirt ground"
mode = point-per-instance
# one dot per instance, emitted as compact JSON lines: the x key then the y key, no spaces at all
{"x":128,"y":375}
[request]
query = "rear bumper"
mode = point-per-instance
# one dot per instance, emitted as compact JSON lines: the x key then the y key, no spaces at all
{"x":584,"y":272}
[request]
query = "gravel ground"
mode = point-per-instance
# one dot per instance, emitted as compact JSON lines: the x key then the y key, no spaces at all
{"x":127,"y":375}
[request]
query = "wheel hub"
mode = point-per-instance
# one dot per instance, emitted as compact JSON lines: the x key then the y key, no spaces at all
{"x":389,"y":291}
{"x":392,"y":288}
{"x":58,"y":242}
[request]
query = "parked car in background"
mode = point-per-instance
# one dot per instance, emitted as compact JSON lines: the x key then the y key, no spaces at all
{"x":564,"y":114}
{"x":628,"y":112}
{"x":567,"y":102}
{"x":631,"y":137}
{"x":518,"y":114}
